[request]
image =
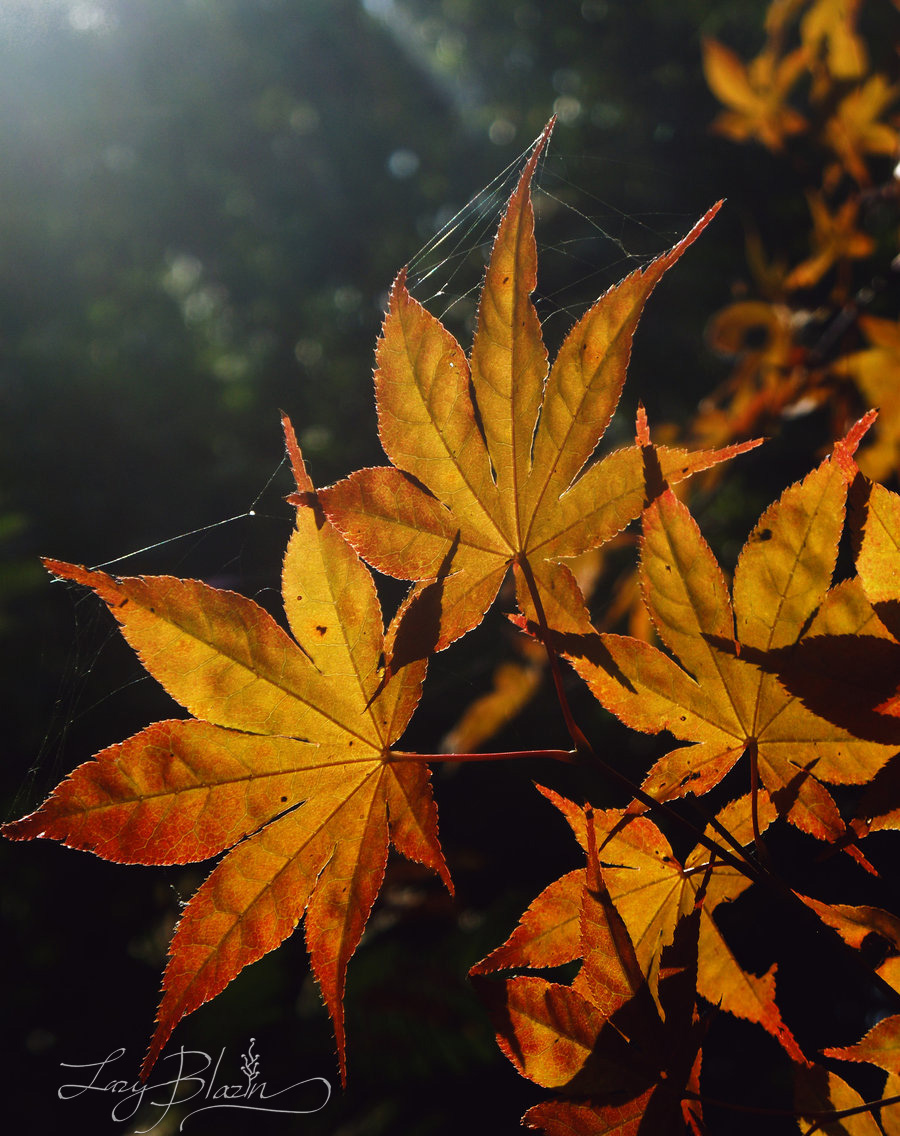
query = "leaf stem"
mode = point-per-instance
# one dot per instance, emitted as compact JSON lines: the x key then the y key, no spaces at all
{"x":566,"y":755}
{"x":761,"y":850}
{"x":584,"y":748}
{"x":582,"y":745}
{"x":820,"y":1116}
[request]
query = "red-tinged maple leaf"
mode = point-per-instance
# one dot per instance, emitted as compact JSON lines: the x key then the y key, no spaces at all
{"x":288,"y":757}
{"x":854,"y":924}
{"x":488,"y":453}
{"x":619,"y":1058}
{"x":718,"y":699}
{"x":880,"y":1046}
{"x":652,"y":892}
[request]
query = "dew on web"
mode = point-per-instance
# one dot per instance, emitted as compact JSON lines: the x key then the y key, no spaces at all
{"x":98,"y":667}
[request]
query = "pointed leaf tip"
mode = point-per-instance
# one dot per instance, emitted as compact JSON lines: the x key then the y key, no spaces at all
{"x":849,"y":444}
{"x":530,"y":166}
{"x":696,"y":230}
{"x":398,"y":288}
{"x":641,"y":427}
{"x":298,"y":466}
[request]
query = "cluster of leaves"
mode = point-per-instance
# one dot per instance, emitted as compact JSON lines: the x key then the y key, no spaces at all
{"x":289,"y":762}
{"x":803,"y":336}
{"x":812,"y":97}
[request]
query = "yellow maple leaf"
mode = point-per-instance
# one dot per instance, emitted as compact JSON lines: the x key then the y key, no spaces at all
{"x":835,"y":238}
{"x":489,"y":453}
{"x":854,"y":129}
{"x":755,"y":93}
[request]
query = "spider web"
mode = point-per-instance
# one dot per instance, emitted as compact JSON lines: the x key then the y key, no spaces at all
{"x":585,"y":245}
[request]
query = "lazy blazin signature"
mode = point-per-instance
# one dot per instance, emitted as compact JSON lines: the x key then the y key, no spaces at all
{"x":195,"y":1079}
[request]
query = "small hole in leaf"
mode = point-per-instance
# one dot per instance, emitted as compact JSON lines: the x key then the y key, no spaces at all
{"x":321,"y":630}
{"x":766,"y":534}
{"x":283,"y":799}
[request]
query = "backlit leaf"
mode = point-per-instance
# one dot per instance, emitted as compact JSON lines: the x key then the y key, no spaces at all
{"x":652,"y":892}
{"x":723,"y":699}
{"x":287,"y":758}
{"x":489,"y":453}
{"x":880,"y":1046}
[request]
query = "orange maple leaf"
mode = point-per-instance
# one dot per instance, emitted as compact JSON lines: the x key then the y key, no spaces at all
{"x":828,"y":30}
{"x":288,"y":757}
{"x":488,"y":454}
{"x":769,"y":375}
{"x":834,"y":238}
{"x":880,"y":1046}
{"x":876,"y":372}
{"x":755,"y":93}
{"x":722,"y":702}
{"x":854,"y":130}
{"x":819,"y":1091}
{"x":653,"y":892}
{"x":618,"y":1049}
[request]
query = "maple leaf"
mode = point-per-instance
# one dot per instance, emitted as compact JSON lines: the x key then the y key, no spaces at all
{"x":652,"y":892}
{"x":876,"y":372}
{"x":619,"y":1056}
{"x":755,"y":93}
{"x":487,"y":453}
{"x":854,"y":130}
{"x":834,"y":238}
{"x":829,"y":30}
{"x":880,"y":1046}
{"x":770,"y":374}
{"x":847,"y":667}
{"x":854,"y":924}
{"x":287,"y":758}
{"x":720,"y":700}
{"x":817,"y":1092}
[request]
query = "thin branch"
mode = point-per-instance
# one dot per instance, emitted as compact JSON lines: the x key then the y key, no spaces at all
{"x":820,"y":1116}
{"x":583,"y":748}
{"x":582,"y":745}
{"x":566,"y":755}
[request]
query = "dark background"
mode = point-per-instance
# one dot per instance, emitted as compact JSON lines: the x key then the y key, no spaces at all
{"x":203,"y":205}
